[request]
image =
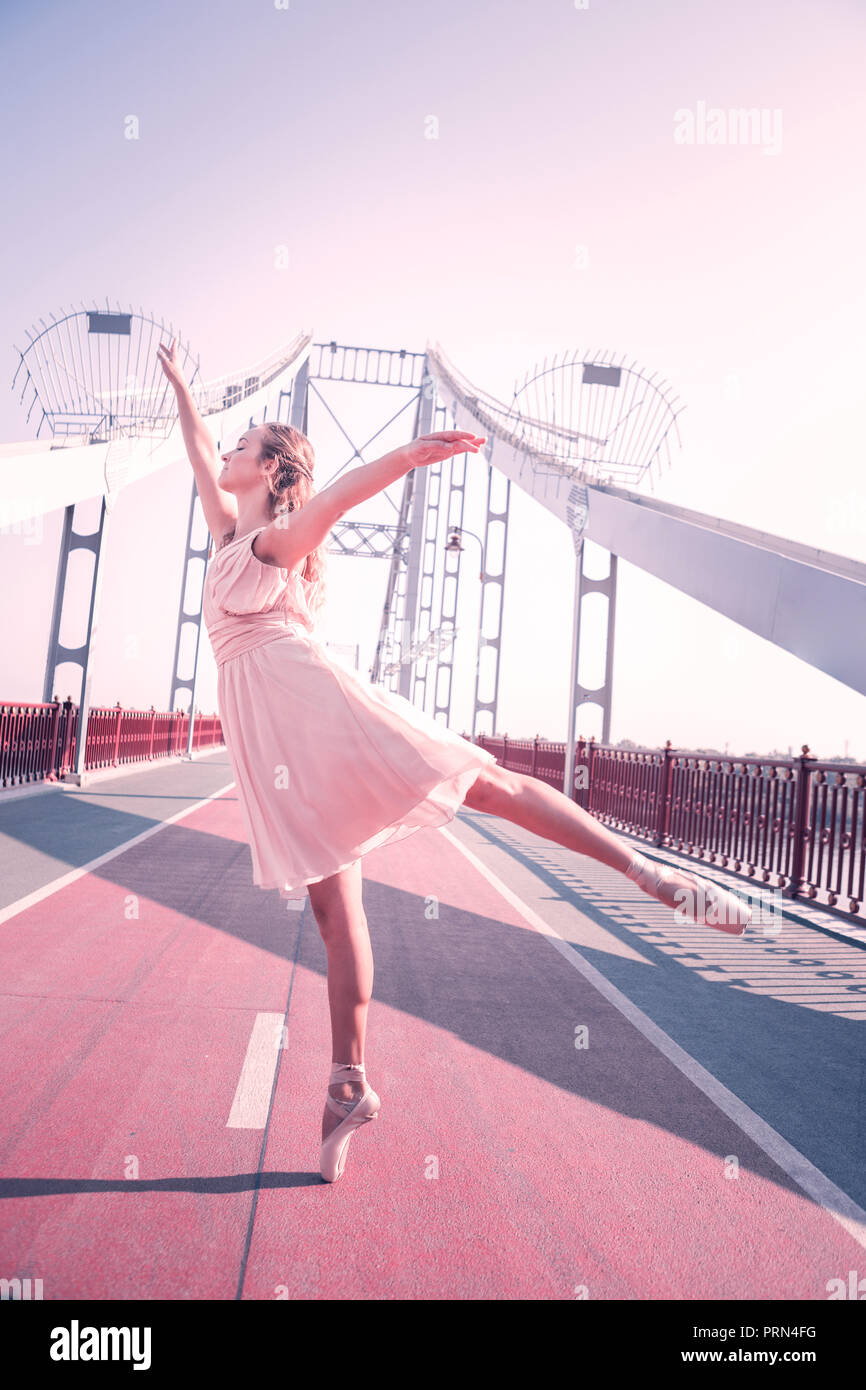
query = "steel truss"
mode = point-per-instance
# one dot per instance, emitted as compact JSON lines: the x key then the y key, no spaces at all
{"x":415,"y":647}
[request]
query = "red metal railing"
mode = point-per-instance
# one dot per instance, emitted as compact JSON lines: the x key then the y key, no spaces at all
{"x":796,"y":823}
{"x":38,"y":742}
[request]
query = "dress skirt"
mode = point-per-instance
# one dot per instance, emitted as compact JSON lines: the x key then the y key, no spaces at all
{"x":329,"y":766}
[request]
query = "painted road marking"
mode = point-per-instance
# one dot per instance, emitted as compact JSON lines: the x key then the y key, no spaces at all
{"x":63,"y":882}
{"x":813,"y":1182}
{"x":253,"y":1095}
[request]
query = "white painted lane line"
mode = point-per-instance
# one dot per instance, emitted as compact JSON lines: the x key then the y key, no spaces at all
{"x":63,"y":882}
{"x":813,"y":1182}
{"x":253,"y":1095}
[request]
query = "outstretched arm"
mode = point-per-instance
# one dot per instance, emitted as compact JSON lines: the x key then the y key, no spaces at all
{"x":220,"y":508}
{"x":291,"y":537}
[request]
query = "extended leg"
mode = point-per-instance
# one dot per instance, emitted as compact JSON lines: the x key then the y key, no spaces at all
{"x":538,"y":807}
{"x":531,"y":803}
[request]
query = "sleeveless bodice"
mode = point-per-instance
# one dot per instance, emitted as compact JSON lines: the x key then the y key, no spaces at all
{"x":247,"y":603}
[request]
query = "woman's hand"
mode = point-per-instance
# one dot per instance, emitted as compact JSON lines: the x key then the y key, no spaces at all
{"x":434,"y":448}
{"x":169,"y":363}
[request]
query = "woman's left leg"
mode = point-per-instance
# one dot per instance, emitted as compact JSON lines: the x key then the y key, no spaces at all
{"x":533,"y":804}
{"x":538,"y":807}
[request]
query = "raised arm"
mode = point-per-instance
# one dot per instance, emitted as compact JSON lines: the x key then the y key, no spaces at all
{"x":292,"y":535}
{"x":220,"y":508}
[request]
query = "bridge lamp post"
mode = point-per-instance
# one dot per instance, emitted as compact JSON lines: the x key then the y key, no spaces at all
{"x":453,"y":544}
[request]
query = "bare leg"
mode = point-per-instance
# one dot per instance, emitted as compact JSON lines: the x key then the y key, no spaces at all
{"x":538,"y":807}
{"x":531,"y":803}
{"x":339,"y":912}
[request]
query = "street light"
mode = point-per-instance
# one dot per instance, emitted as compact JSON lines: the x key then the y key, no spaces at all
{"x":453,"y":544}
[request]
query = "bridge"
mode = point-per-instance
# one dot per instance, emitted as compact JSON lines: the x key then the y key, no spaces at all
{"x":582,"y":1098}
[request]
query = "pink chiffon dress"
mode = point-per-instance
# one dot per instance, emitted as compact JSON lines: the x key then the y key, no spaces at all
{"x":327,"y":766}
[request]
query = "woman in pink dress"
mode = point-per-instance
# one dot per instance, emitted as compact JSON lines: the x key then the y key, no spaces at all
{"x":328,"y":766}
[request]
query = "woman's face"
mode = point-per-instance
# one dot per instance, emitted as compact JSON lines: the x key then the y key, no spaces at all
{"x":241,"y":470}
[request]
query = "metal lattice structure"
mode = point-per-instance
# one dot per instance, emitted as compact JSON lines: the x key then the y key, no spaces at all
{"x":417,"y":631}
{"x":94,"y":373}
{"x":607,"y":422}
{"x":577,"y":422}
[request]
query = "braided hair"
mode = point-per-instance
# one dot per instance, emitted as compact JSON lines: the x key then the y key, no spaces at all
{"x":290,"y":459}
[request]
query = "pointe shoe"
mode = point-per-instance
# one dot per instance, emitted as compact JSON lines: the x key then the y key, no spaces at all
{"x":354,"y":1113}
{"x":710,"y":905}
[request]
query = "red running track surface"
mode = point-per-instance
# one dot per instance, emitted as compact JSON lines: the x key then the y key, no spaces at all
{"x":505,"y":1164}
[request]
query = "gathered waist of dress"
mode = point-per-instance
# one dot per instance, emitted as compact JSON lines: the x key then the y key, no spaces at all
{"x":232,"y":636}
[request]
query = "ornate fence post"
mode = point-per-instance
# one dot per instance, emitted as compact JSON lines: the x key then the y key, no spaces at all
{"x":577,"y":792}
{"x":51,"y":769}
{"x":152,"y":729}
{"x":116,"y":759}
{"x":801,"y":813}
{"x":67,"y":739}
{"x":589,"y":780}
{"x":534,"y":755}
{"x":663,"y":813}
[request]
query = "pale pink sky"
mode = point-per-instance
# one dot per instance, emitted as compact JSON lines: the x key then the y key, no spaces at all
{"x":734,"y":271}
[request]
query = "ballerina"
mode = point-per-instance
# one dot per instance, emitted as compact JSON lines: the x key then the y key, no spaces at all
{"x":328,"y":766}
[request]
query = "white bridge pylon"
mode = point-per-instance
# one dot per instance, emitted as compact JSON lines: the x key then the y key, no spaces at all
{"x":807,"y":601}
